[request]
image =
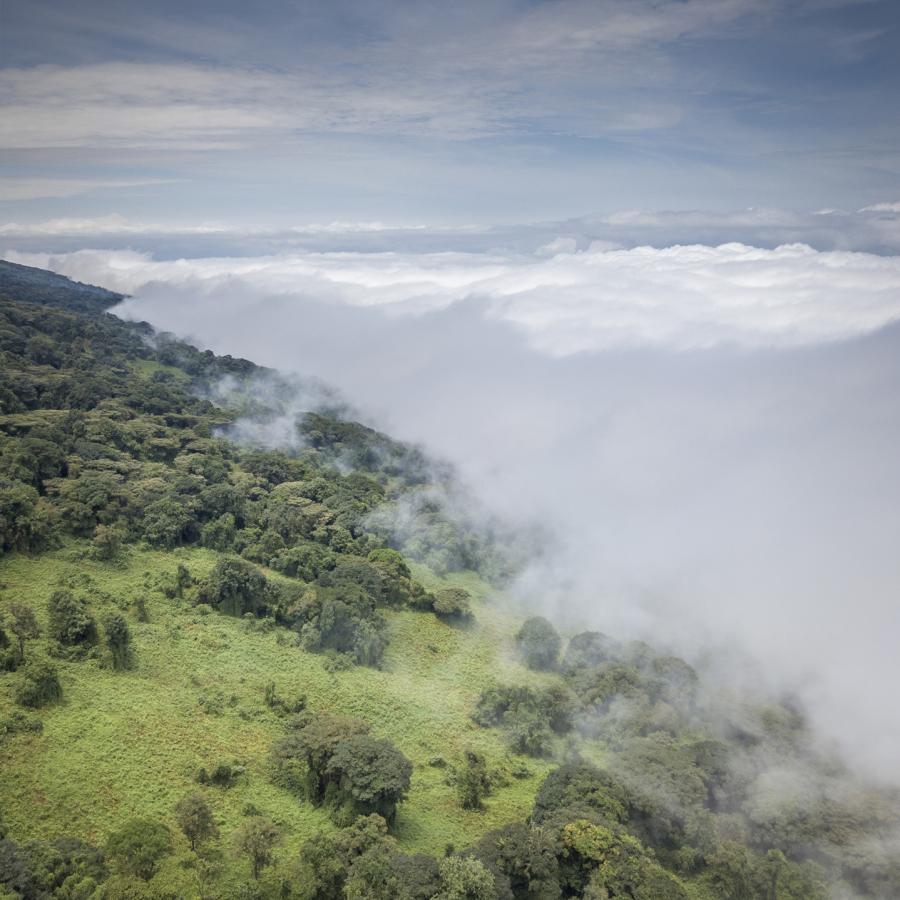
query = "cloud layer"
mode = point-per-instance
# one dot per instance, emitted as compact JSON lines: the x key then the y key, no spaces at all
{"x":710,"y":433}
{"x":565,"y":301}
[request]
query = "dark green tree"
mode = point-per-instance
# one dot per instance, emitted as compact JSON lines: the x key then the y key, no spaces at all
{"x":219,"y":533}
{"x":25,"y":522}
{"x":581,"y":790}
{"x":301,"y":758}
{"x":608,"y":862}
{"x":70,"y":619}
{"x":523,"y":860}
{"x":538,"y":643}
{"x":107,"y":542}
{"x":66,"y":868}
{"x":235,"y":587}
{"x":256,"y":838}
{"x":195,"y":819}
{"x":466,"y":878}
{"x":165,"y":522}
{"x":118,"y":640}
{"x":138,"y":846}
{"x":23,"y":624}
{"x":473,"y":782}
{"x":372,"y":775}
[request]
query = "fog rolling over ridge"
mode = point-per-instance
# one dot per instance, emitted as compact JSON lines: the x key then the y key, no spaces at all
{"x":709,"y":433}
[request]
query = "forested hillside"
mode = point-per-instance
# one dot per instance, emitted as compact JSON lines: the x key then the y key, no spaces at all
{"x":232,"y":669}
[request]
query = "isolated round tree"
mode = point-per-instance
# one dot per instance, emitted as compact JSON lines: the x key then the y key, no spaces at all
{"x":195,"y":819}
{"x":538,"y":643}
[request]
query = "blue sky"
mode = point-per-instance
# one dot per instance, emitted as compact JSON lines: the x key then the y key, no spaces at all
{"x":498,"y":111}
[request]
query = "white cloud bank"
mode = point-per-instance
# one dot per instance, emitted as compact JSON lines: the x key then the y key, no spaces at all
{"x":682,"y":297}
{"x":710,"y":432}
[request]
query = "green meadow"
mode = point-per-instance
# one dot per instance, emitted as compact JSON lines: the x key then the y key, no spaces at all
{"x":125,"y":744}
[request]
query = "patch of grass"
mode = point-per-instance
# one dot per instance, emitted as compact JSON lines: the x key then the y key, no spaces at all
{"x":124,"y":744}
{"x":146,"y":368}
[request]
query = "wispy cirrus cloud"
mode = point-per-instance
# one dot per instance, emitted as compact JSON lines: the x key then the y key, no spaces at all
{"x":589,"y":68}
{"x":482,"y":112}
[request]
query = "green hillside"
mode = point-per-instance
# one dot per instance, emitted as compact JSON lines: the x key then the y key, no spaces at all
{"x":228,"y":670}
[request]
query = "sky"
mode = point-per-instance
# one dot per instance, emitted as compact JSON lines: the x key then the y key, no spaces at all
{"x":633,"y":266}
{"x":291,"y":112}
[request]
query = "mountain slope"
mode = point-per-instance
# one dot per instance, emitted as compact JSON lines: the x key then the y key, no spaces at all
{"x":183,"y":615}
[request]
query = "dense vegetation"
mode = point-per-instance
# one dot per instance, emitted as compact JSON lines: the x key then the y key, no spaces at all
{"x":228,"y":670}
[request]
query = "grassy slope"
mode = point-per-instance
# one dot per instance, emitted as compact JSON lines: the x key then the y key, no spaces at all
{"x":128,"y":744}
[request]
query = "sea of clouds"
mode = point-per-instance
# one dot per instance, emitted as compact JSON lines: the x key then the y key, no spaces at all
{"x":709,"y":431}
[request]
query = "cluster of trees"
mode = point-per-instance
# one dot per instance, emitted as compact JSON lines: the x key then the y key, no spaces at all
{"x":578,"y":842}
{"x":131,"y":856}
{"x":334,"y":761}
{"x":433,"y":524}
{"x":72,"y":632}
{"x":688,"y":785}
{"x":339,"y":609}
{"x":530,"y":717}
{"x":106,"y":433}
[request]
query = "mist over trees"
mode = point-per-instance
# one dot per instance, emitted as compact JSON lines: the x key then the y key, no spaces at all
{"x":591,"y":767}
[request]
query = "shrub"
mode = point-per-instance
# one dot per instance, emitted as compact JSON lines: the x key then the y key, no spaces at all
{"x":473,"y":783}
{"x":282,"y":706}
{"x":37,"y":684}
{"x":141,"y":612}
{"x":223,"y":774}
{"x":18,"y":722}
{"x":118,"y":640}
{"x":9,"y":655}
{"x":453,"y":604}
